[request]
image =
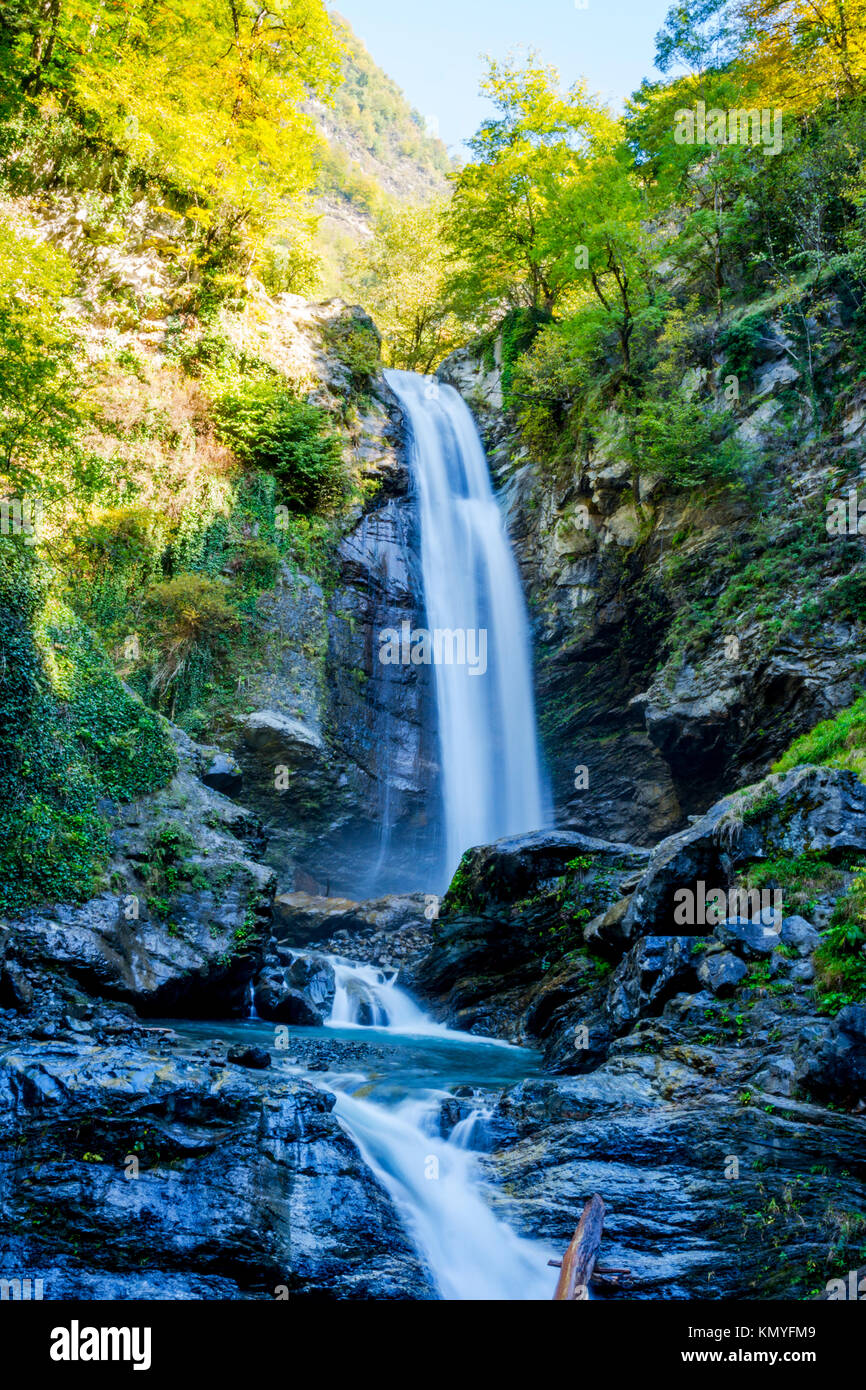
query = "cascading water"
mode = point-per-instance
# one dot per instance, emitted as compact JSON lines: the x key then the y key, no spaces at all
{"x":490,"y":767}
{"x":478,"y":640}
{"x":471,"y":1253}
{"x":367,"y":997}
{"x":393,"y":1108}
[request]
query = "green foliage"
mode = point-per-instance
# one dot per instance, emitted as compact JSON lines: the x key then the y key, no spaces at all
{"x":400,"y":275}
{"x":207,"y":99}
{"x":514,"y":222}
{"x":836,"y":742}
{"x":840,"y":962}
{"x":41,"y":409}
{"x":113,"y":558}
{"x":71,"y":737}
{"x":518,"y":330}
{"x":687,"y":443}
{"x":355,"y":343}
{"x":270,"y":429}
{"x":195,"y":624}
{"x":802,"y":878}
{"x":743,"y":343}
{"x":290,"y":269}
{"x":255,"y":564}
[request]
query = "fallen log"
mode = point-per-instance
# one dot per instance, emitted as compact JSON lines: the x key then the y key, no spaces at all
{"x":581,"y":1255}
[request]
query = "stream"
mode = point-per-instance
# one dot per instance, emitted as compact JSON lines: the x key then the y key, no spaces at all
{"x":390,"y":1105}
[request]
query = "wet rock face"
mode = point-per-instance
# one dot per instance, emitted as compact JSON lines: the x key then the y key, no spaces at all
{"x":300,"y":993}
{"x":338,"y":749}
{"x":187,"y":910}
{"x":156,"y":1174}
{"x":836,"y":1066}
{"x":512,"y":918}
{"x":690,"y":1134}
{"x":655,"y":969}
{"x":382,"y":714}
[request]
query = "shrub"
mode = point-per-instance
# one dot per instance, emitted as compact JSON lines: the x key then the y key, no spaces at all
{"x":255,"y":564}
{"x":839,"y":961}
{"x":194,"y":622}
{"x":294,"y":269}
{"x":743,"y":344}
{"x":112,"y":559}
{"x":688,"y":444}
{"x":271,"y":430}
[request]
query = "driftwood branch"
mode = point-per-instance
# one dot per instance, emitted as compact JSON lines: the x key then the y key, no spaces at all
{"x":580,"y":1257}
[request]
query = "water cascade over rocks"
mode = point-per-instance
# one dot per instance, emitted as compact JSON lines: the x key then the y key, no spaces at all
{"x":477,"y":634}
{"x":477,"y":639}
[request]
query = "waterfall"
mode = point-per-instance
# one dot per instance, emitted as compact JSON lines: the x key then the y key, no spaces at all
{"x":471,"y":1252}
{"x":491,"y":783}
{"x":366,"y":997}
{"x":369,"y":997}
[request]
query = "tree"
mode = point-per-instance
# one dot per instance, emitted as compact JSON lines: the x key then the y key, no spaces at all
{"x":205,"y":95}
{"x":807,"y":51}
{"x":399,"y":275}
{"x":42,"y":410}
{"x":698,"y":35}
{"x":505,"y":222}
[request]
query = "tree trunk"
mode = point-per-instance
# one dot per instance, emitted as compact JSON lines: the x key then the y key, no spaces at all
{"x":581,"y":1255}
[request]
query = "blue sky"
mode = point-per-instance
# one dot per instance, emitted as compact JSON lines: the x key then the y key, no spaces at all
{"x":433,"y":48}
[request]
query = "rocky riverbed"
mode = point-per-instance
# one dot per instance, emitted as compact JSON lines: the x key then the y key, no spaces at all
{"x":690,"y":1078}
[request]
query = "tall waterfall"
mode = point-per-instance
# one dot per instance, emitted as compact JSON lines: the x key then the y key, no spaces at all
{"x":491,"y":782}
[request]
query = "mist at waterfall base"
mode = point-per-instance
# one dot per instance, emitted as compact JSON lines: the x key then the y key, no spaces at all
{"x":391,"y":1109}
{"x":490,"y":779}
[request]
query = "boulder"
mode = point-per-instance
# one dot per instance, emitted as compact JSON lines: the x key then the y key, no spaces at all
{"x":302,"y":919}
{"x":833,"y":1065}
{"x":278,"y":740}
{"x":800,"y":935}
{"x":513,"y":868}
{"x":246,"y":1186}
{"x":314,"y":976}
{"x":778,"y":1077}
{"x":279,"y":1000}
{"x":721,"y":972}
{"x":747,"y":938}
{"x":254,"y":1057}
{"x":503,"y":954}
{"x":655,"y":969}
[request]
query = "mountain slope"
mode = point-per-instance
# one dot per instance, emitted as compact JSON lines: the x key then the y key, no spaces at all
{"x":378,"y":150}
